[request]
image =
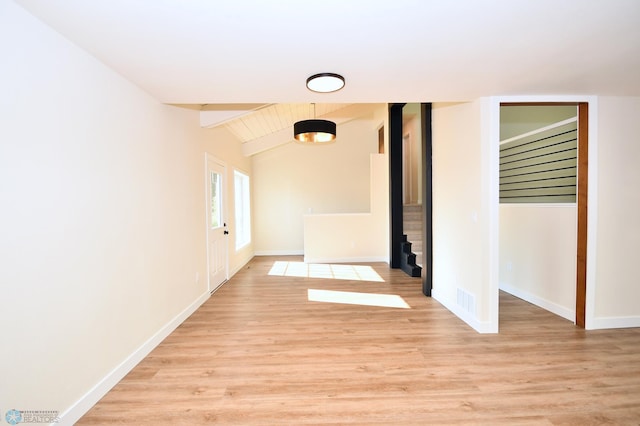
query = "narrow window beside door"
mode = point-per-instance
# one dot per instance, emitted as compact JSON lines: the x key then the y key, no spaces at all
{"x":243,"y":209}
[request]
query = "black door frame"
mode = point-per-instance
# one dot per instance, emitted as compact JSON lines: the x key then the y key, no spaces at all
{"x":427,"y":199}
{"x":395,"y":191}
{"x":395,"y":184}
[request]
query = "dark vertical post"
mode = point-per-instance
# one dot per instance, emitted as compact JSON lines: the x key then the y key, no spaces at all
{"x":395,"y":183}
{"x":583,"y":166}
{"x":427,"y":200}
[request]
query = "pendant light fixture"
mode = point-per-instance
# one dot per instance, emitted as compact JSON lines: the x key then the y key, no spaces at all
{"x":315,"y":130}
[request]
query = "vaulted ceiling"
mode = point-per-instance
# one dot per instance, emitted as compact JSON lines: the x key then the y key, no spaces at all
{"x":263,"y":120}
{"x":252,"y":53}
{"x":267,"y":126}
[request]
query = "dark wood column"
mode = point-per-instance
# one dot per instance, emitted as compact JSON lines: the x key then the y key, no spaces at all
{"x":427,"y":200}
{"x":395,"y":183}
{"x":583,"y":166}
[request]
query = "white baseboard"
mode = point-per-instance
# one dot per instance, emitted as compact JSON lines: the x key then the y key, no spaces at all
{"x":614,"y":322}
{"x":552,"y":307}
{"x":84,"y":404}
{"x":280,"y":253}
{"x":483,"y":327}
{"x":242,"y":265}
{"x":323,"y":260}
{"x":347,"y":259}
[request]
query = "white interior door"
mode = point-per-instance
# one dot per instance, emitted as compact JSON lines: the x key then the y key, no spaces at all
{"x":217,"y":246}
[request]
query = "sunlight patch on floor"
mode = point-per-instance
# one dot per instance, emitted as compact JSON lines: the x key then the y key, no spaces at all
{"x":353,"y":298}
{"x":326,"y":271}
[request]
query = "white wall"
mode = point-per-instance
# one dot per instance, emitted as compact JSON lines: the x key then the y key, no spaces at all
{"x":292,"y":180}
{"x":538,"y":244}
{"x":353,"y":237}
{"x":102,"y":219}
{"x":618,"y":231}
{"x":461,"y":212}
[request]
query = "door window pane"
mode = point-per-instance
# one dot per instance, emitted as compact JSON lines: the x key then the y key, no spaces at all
{"x":216,"y":202}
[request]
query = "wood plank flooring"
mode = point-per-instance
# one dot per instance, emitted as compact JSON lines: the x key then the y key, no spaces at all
{"x":259,"y":353}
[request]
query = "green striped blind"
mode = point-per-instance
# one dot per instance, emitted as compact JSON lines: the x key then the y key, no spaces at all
{"x":541,"y":166}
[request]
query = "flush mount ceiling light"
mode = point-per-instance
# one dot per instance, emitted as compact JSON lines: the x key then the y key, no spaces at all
{"x":325,"y":82}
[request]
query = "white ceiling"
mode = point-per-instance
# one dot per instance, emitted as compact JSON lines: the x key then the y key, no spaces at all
{"x":232,"y":57}
{"x":259,"y":51}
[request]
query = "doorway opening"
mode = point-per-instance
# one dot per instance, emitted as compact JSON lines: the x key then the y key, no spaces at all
{"x":543,"y":205}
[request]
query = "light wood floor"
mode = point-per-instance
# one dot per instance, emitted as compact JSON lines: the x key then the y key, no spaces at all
{"x":259,"y":353}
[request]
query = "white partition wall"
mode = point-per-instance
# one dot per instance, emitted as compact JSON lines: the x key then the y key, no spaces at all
{"x":615,"y":298}
{"x":538,"y":246}
{"x":464,"y":199}
{"x":353,"y":237}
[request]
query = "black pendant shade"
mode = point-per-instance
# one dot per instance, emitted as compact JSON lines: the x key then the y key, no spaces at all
{"x":314,"y":131}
